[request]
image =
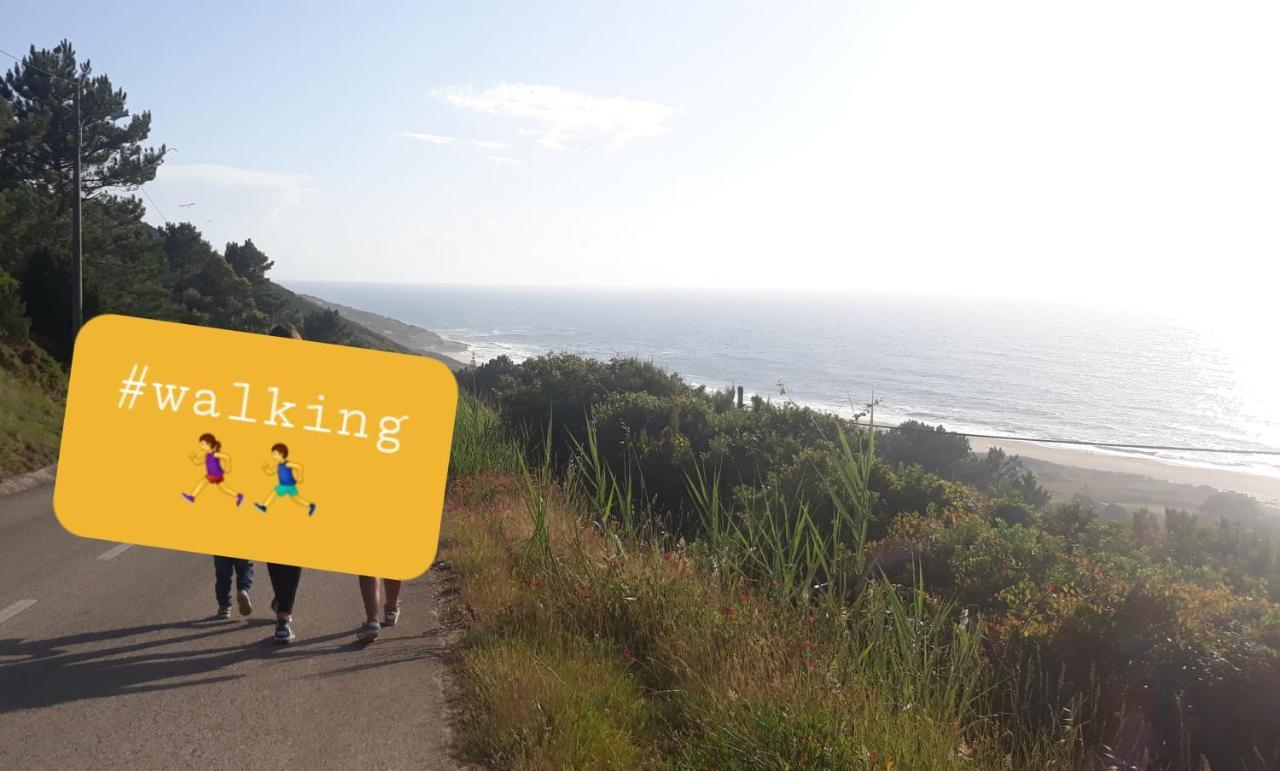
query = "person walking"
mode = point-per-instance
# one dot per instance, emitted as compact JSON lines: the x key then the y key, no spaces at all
{"x":284,"y":578}
{"x":223,"y":567}
{"x":369,"y":592}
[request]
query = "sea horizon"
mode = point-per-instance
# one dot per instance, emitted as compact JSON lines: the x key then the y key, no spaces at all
{"x":1022,"y":368}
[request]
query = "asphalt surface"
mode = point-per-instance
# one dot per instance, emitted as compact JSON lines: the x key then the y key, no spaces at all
{"x":118,"y":663}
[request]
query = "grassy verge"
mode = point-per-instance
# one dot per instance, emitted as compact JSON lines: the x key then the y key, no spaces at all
{"x":590,"y":646}
{"x":32,"y":390}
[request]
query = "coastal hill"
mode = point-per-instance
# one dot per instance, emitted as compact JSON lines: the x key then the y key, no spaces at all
{"x":33,"y":384}
{"x":355,"y":333}
{"x":410,"y":337}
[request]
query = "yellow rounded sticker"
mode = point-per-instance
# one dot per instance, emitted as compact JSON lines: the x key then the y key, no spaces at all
{"x":258,"y":447}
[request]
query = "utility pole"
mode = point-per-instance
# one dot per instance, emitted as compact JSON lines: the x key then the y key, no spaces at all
{"x":77,"y":256}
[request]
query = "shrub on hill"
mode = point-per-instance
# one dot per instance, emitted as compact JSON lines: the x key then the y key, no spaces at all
{"x":1146,"y":633}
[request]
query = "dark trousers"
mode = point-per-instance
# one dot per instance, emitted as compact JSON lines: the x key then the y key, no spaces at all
{"x":222,"y":569}
{"x":284,"y":582}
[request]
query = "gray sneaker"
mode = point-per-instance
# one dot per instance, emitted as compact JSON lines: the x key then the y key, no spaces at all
{"x":391,"y":616}
{"x":369,"y":632}
{"x":242,"y":597}
{"x":284,"y":632}
{"x":224,"y":613}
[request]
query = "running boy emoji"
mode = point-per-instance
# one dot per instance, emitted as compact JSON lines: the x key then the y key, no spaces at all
{"x":289,"y":474}
{"x":217,"y":464}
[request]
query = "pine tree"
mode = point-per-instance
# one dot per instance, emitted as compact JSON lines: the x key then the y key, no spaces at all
{"x":204,"y":285}
{"x":248,"y":261}
{"x":325,"y":326}
{"x":38,"y":146}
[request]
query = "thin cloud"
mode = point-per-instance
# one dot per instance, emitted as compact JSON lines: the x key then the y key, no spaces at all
{"x":434,"y":139}
{"x":233,"y":175}
{"x":282,"y":190}
{"x":290,"y":186}
{"x":440,"y":139}
{"x":567,"y":118}
{"x":503,"y":160}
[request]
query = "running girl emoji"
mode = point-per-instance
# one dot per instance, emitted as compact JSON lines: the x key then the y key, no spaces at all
{"x":217,"y":464}
{"x":288,"y":475}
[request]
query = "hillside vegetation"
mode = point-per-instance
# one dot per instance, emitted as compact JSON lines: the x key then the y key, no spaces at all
{"x":656,"y":577}
{"x":32,"y":390}
{"x":411,"y":336}
{"x":170,"y":273}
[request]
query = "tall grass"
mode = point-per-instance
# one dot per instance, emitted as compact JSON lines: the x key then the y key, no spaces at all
{"x":779,"y":541}
{"x":787,"y":651}
{"x":852,"y":499}
{"x":538,"y":485}
{"x":594,"y":487}
{"x":480,"y":442}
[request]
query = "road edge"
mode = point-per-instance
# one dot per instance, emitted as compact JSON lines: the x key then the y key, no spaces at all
{"x":447,"y":593}
{"x":28,"y":480}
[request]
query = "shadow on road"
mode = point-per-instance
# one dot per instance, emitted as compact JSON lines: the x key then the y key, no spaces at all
{"x":431,"y":645}
{"x":85,"y":666}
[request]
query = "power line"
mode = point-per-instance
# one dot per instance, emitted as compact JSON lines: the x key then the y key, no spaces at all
{"x":1084,"y":442}
{"x":74,"y":83}
{"x":37,"y":69}
{"x":153,"y":203}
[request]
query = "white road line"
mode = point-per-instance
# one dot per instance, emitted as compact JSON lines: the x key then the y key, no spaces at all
{"x":15,"y":609}
{"x":115,"y":551}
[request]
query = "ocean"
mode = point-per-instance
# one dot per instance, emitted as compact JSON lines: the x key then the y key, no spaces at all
{"x":1013,"y":368}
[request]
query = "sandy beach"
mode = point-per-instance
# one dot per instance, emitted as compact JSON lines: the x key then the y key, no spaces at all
{"x":1130,"y":481}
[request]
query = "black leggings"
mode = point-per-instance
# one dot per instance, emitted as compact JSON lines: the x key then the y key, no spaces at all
{"x":284,"y":582}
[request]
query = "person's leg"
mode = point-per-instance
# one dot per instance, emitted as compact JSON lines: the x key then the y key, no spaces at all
{"x":369,"y":593}
{"x":391,"y":587}
{"x":222,"y":580}
{"x":199,"y":486}
{"x":276,"y":578}
{"x":284,"y":582}
{"x":244,"y":575}
{"x":391,"y":612}
{"x":244,"y":580}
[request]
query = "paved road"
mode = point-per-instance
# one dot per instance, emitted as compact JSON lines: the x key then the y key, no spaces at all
{"x":119,"y":664}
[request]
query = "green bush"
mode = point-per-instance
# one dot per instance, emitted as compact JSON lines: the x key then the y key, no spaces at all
{"x":1110,"y":620}
{"x":14,"y":324}
{"x":932,"y":448}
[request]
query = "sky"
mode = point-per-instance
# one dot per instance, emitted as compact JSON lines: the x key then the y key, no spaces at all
{"x":1123,"y":152}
